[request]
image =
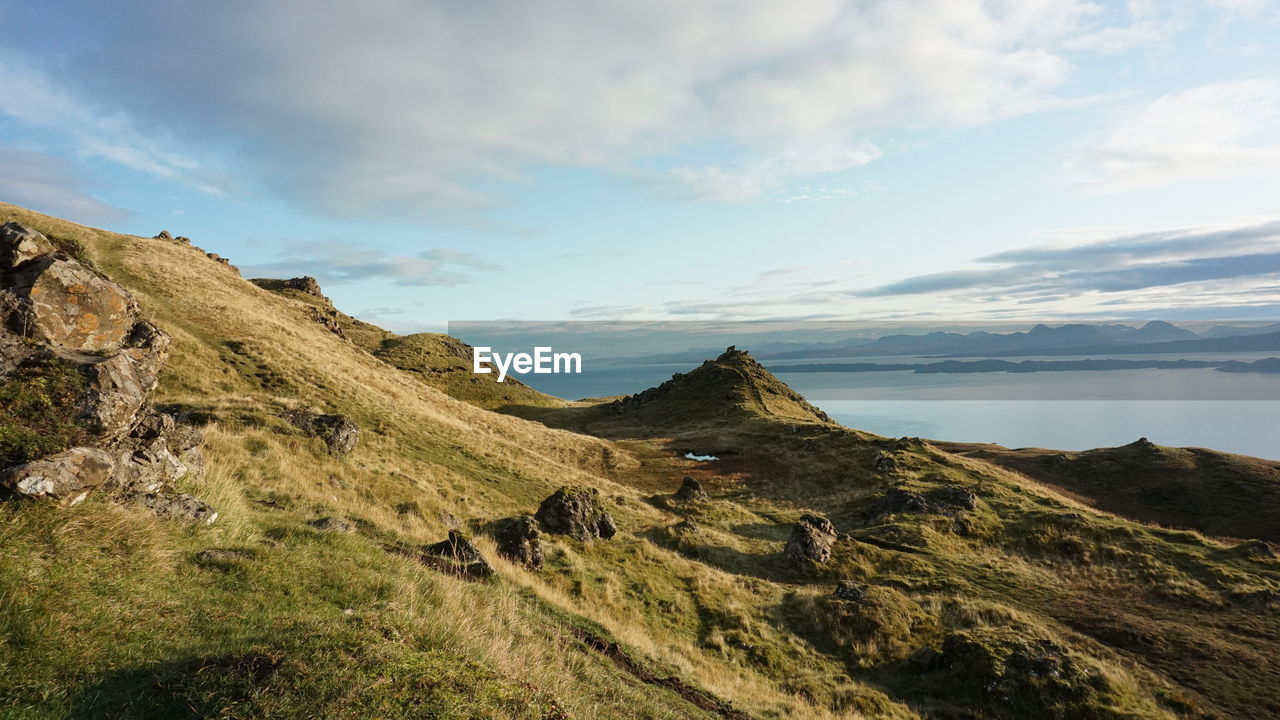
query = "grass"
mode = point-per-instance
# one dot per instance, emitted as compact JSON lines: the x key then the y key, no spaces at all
{"x":39,"y":410}
{"x":109,"y":611}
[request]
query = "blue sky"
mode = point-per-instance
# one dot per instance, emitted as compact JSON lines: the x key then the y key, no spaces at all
{"x":719,"y":160}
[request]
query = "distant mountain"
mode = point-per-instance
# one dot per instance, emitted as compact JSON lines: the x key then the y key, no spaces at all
{"x":1035,"y":341}
{"x":1237,"y":343}
{"x":1218,"y":331}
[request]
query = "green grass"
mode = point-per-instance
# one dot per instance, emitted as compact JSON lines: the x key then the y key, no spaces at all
{"x":40,"y":409}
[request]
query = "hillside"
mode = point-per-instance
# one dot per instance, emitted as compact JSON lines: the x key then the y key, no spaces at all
{"x":438,"y":360}
{"x":1214,"y":492}
{"x":812,"y":571}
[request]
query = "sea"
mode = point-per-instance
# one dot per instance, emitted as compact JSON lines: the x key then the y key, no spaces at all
{"x":1065,"y":410}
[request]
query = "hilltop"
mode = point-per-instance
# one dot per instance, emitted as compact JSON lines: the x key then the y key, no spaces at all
{"x":386,"y":545}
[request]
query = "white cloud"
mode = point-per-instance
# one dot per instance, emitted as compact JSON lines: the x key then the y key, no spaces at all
{"x":396,"y":105}
{"x":52,"y":185}
{"x":33,"y":98}
{"x":1211,"y":132}
{"x":758,"y":177}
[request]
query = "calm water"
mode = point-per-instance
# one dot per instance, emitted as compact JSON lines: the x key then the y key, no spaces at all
{"x":1235,"y":412}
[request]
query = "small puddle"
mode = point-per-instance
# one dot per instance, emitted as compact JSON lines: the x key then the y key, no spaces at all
{"x":700,"y":458}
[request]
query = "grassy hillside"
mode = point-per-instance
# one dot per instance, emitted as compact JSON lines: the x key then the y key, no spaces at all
{"x":976,"y":593}
{"x":1214,"y":492}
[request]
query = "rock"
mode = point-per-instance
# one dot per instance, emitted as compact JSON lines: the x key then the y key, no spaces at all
{"x":61,"y":311}
{"x":305,"y":284}
{"x":690,"y":490}
{"x":158,"y":451}
{"x":63,"y":303}
{"x":20,"y":244}
{"x":520,"y":541}
{"x":115,"y":394}
{"x":811,"y":540}
{"x":164,"y":235}
{"x":925,"y":659}
{"x":949,"y":500}
{"x":459,"y":555}
{"x":62,"y":475}
{"x":687,"y":526}
{"x":337,"y":431}
{"x":884,"y":463}
{"x":576,"y":513}
{"x":332,"y":524}
{"x":328,"y":317}
{"x":220,"y":556}
{"x":605,"y":526}
{"x":176,"y":505}
{"x":182,"y":239}
{"x":850,"y":591}
{"x":899,"y":500}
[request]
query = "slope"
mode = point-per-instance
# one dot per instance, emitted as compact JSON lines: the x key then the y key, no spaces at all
{"x":1214,"y":492}
{"x":438,"y":360}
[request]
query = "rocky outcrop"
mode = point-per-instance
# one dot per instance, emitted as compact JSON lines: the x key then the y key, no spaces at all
{"x":57,"y":313}
{"x":180,"y":506}
{"x":950,"y":500}
{"x":884,"y":463}
{"x":305,"y":284}
{"x":811,"y":541}
{"x":339,"y":433}
{"x":690,"y":491}
{"x":519,"y":540}
{"x":576,"y":513}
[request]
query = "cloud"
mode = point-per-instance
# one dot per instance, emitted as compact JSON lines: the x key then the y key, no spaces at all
{"x":1206,"y":133}
{"x":750,"y":180}
{"x":336,"y":262}
{"x":1201,"y":255}
{"x":401,"y":106}
{"x":35,"y":99}
{"x":52,"y":185}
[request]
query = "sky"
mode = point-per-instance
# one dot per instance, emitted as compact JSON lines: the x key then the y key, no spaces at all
{"x":711,"y":160}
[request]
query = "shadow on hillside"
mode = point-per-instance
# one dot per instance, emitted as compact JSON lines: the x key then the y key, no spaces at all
{"x":193,"y":687}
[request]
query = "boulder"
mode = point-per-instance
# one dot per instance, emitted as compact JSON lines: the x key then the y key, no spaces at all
{"x":811,"y":540}
{"x":20,"y":244}
{"x":332,"y":524}
{"x":164,"y":235}
{"x":690,"y":490}
{"x":576,"y":513}
{"x":850,"y":591}
{"x":179,"y":506}
{"x":520,"y":541}
{"x":884,"y":463}
{"x":63,"y":303}
{"x":62,"y":475}
{"x":339,"y":433}
{"x":457,"y":555}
